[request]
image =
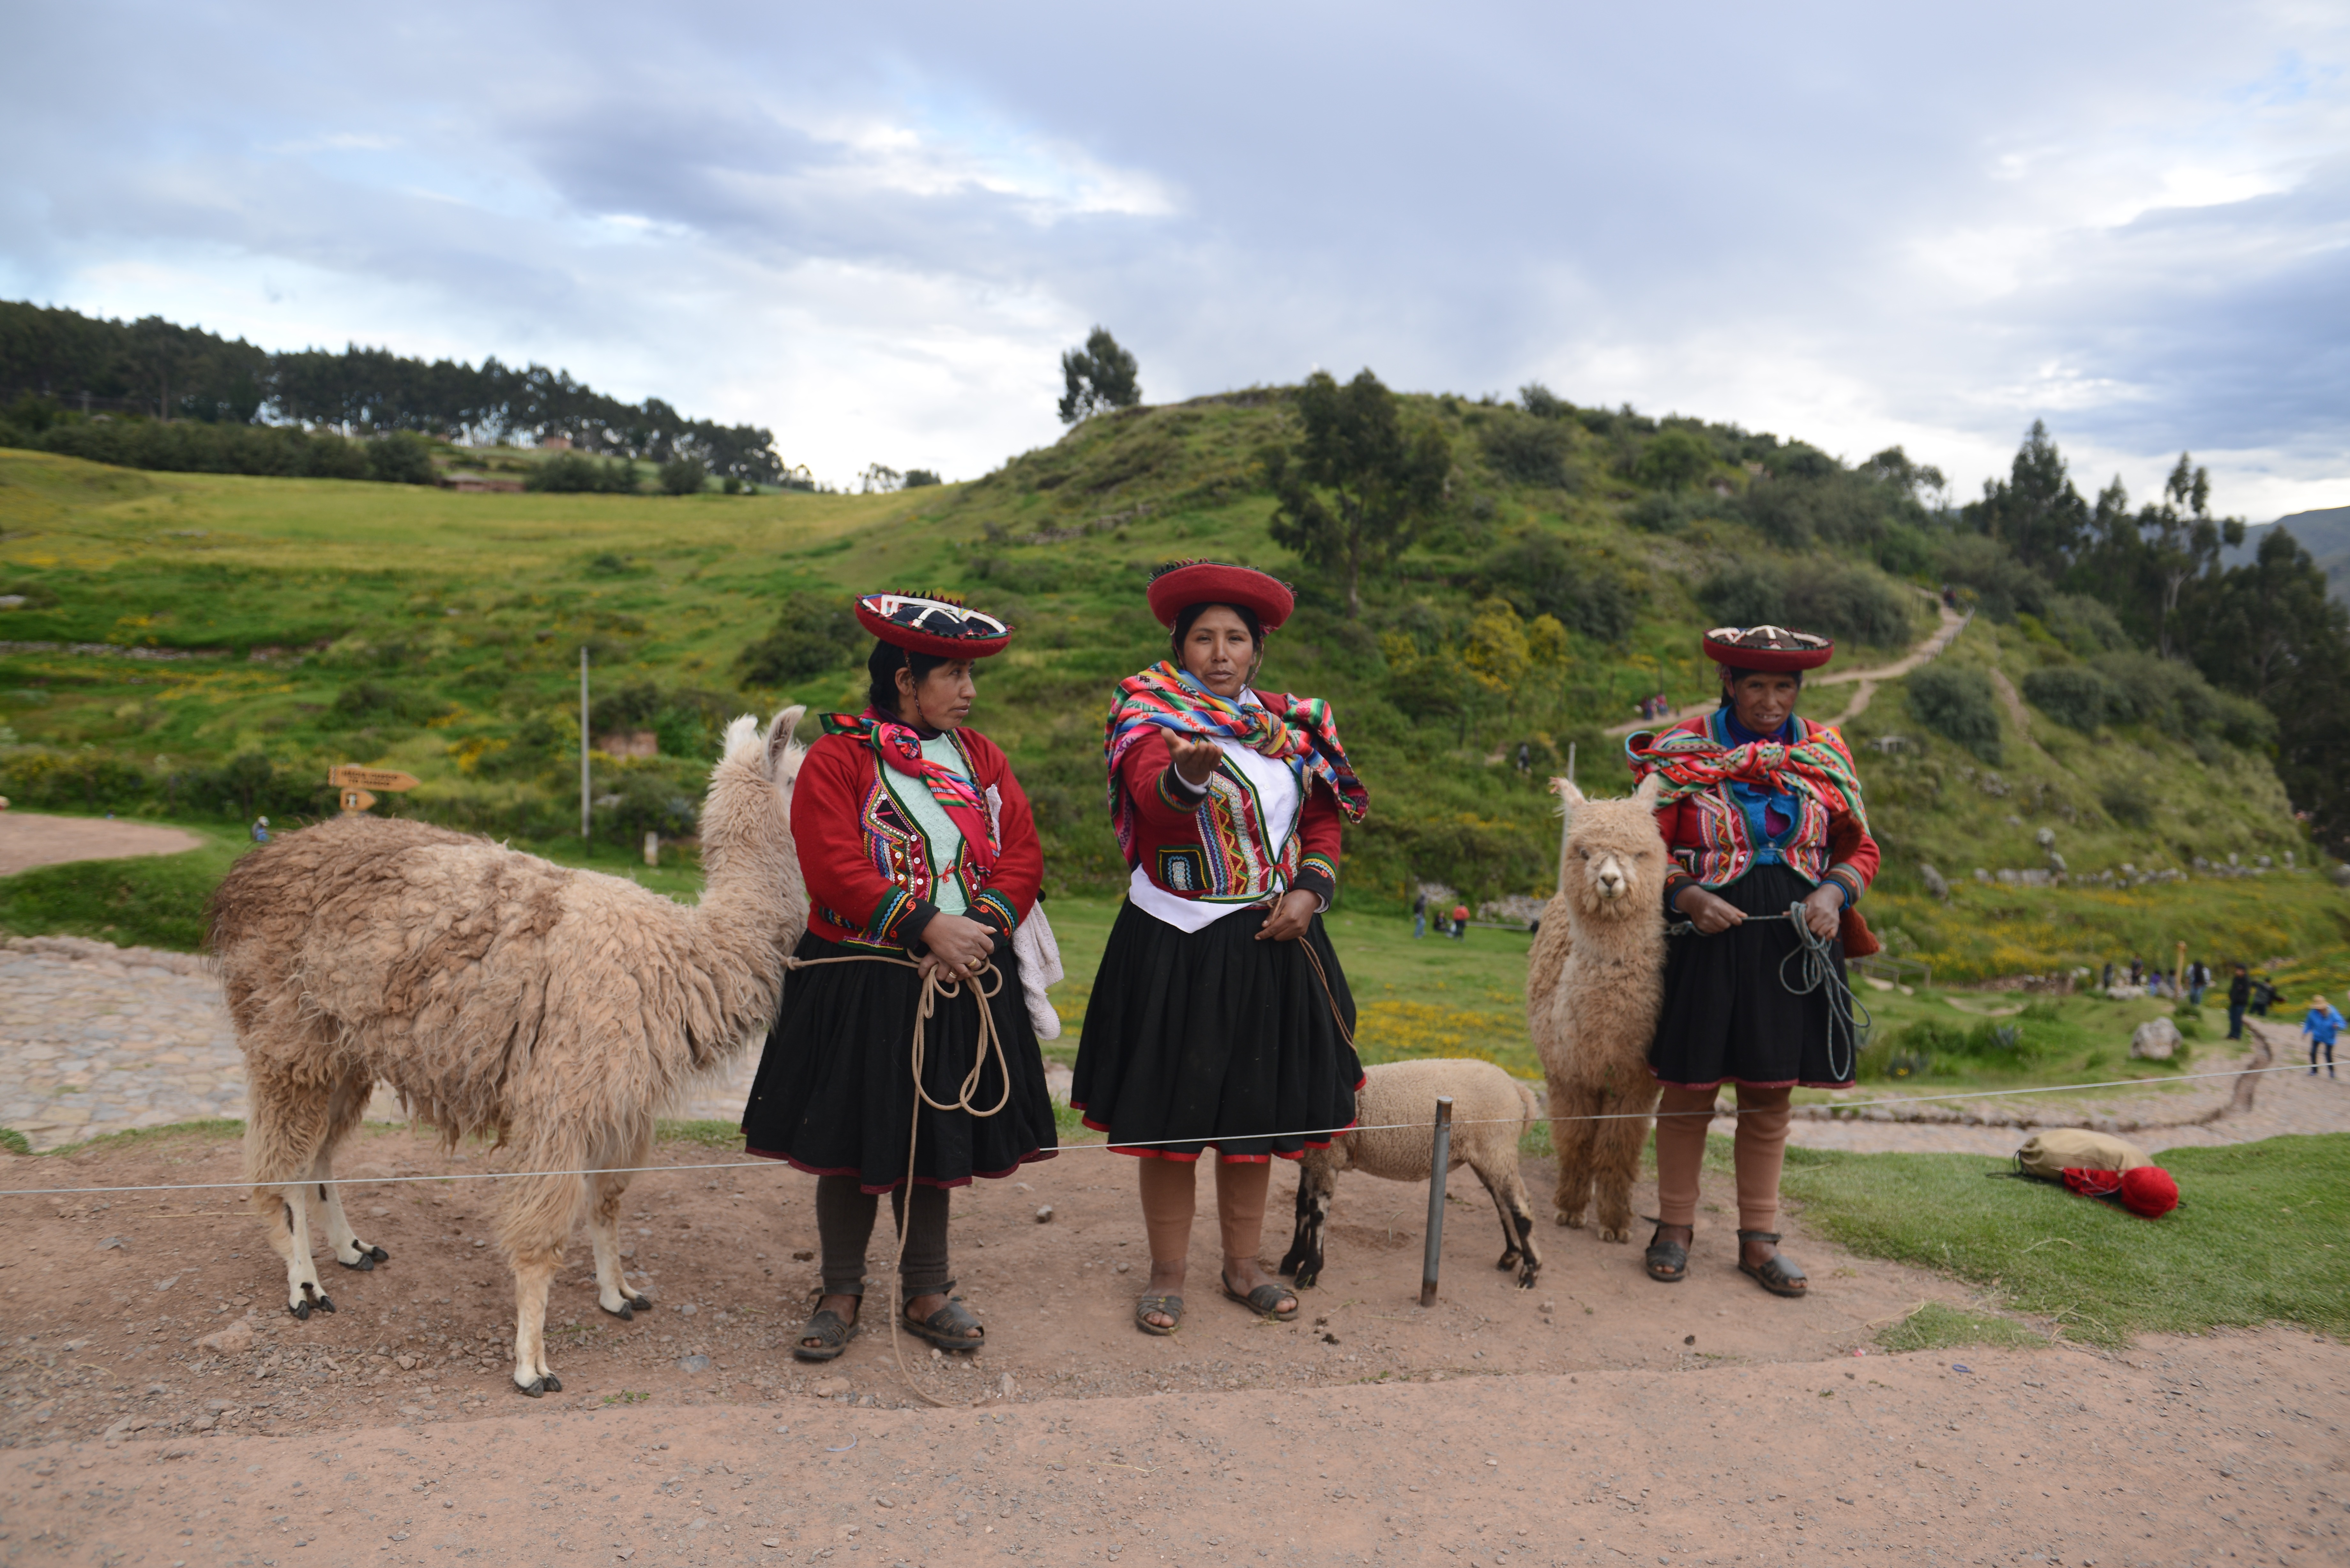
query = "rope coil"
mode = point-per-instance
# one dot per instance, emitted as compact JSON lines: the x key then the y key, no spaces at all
{"x":1818,"y":973}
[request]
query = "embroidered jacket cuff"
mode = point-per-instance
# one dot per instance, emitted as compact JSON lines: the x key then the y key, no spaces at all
{"x":913,"y":918}
{"x":1317,"y":876}
{"x":1177,"y":793}
{"x":1850,"y":879}
{"x":994,"y":910}
{"x":1674,"y":880}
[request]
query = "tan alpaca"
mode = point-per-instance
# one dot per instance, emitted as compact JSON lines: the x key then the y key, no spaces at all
{"x":497,"y":993}
{"x":1595,"y":982}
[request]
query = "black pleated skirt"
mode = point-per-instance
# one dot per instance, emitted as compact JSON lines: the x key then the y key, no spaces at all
{"x":1729,"y":1013}
{"x":835,"y":1090}
{"x":1211,"y":1037}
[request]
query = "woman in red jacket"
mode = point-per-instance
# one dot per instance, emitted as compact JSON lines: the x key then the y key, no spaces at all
{"x":916,"y":842}
{"x":1765,"y":820}
{"x":1220,"y":1017}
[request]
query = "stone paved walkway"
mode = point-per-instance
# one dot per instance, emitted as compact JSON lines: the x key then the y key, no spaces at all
{"x":96,"y":1039}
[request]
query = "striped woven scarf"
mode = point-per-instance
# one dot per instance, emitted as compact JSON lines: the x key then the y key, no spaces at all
{"x":1295,"y":730}
{"x":1692,"y":762}
{"x":901,"y":747}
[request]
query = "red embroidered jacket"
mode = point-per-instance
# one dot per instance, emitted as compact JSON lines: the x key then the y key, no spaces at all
{"x":867,"y":866}
{"x":1713,"y":841}
{"x":1210,"y":843}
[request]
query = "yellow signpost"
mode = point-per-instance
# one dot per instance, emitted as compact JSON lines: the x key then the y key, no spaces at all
{"x":355,"y":781}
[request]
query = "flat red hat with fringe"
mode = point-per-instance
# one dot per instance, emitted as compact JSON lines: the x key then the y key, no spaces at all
{"x":1767,"y":647}
{"x":938,"y":626}
{"x":1186,"y":583}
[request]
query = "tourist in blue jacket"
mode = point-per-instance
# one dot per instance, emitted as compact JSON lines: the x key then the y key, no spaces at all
{"x":2322,"y":1025}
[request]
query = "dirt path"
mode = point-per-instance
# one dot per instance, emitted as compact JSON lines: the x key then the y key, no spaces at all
{"x":29,"y":838}
{"x":1948,"y":624}
{"x":2183,"y":1450}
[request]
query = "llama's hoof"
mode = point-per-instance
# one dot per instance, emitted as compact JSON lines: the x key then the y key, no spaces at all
{"x":624,"y":1311}
{"x":324,"y":1303}
{"x":301,"y":1309}
{"x":1565,"y":1218}
{"x":1308,"y":1277}
{"x":552,"y":1384}
{"x":363,"y":1262}
{"x":1509,"y":1260}
{"x":1526,"y":1280}
{"x":532,"y":1389}
{"x":643,"y":1304}
{"x":379,"y":1254}
{"x":1608,"y":1235}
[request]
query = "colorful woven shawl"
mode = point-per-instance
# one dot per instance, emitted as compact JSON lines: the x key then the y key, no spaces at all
{"x":1295,"y":730}
{"x":900,"y":746}
{"x":1692,"y":762}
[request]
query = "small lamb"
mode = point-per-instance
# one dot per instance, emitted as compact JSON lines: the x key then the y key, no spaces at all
{"x":1397,"y":1109}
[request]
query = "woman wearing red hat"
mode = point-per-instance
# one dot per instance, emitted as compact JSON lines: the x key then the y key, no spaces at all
{"x":1765,"y":822}
{"x":1220,"y":1017}
{"x":916,"y":842}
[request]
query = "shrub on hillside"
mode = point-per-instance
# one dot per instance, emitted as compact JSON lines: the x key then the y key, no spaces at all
{"x":1674,"y":461}
{"x":1539,"y":576}
{"x":1542,"y":403}
{"x":2002,"y":585}
{"x":2073,"y":696}
{"x":1957,"y":703}
{"x":1527,"y":450}
{"x":813,"y":634}
{"x":1670,"y":511}
{"x":365,"y":702}
{"x":2146,"y":689}
{"x":920,"y":478}
{"x":1848,"y":602}
{"x":576,"y":473}
{"x":685,"y":476}
{"x":189,"y":446}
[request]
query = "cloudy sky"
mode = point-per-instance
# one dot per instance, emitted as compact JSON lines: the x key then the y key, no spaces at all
{"x":873,"y":227}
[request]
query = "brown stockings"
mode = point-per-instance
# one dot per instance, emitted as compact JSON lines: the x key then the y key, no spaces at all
{"x":1759,"y":1149}
{"x":1169,"y":1198}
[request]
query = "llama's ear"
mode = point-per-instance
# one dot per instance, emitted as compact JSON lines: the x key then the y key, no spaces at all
{"x":1650,"y":789}
{"x":1566,"y":791}
{"x":779,"y":736}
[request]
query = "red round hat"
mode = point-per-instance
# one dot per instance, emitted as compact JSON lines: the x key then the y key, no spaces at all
{"x":1187,"y":583}
{"x":1767,"y":647}
{"x":2149,"y":1191}
{"x":938,"y":626}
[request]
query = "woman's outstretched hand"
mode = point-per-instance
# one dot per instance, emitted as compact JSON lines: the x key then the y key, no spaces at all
{"x":1195,"y":760}
{"x":1824,"y":911}
{"x":959,"y":947}
{"x":1290,"y":917}
{"x":1711,"y":913}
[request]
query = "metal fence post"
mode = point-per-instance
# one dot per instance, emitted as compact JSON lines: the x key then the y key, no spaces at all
{"x":1440,"y":1165}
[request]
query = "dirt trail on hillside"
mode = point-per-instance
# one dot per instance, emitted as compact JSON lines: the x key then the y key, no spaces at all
{"x":30,"y":838}
{"x":1948,"y":624}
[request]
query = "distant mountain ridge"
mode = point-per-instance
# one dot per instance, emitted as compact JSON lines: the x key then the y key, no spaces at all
{"x":2324,"y":533}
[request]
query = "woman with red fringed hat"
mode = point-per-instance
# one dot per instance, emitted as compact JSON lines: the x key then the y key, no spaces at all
{"x":1765,"y":820}
{"x":916,"y":844}
{"x":1219,"y":1018}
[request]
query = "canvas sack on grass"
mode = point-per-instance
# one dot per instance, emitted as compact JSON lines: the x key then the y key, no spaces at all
{"x":2050,"y":1154}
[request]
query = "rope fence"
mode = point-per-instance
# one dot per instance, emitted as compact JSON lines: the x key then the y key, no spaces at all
{"x":1149,"y":1143}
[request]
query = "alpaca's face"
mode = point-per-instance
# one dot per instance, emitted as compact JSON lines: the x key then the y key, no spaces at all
{"x":1609,"y":874}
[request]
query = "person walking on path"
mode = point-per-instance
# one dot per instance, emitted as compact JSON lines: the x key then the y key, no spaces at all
{"x":917,"y":845}
{"x":1460,"y":922}
{"x":2239,"y":995}
{"x":2321,"y":1025}
{"x":2199,"y":980}
{"x":1765,"y":820}
{"x":1420,"y":915}
{"x":1220,"y":1017}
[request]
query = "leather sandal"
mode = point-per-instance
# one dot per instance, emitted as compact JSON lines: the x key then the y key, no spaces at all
{"x":1264,"y":1300}
{"x":1165,"y":1302}
{"x":832,"y":1332}
{"x":1776,"y":1273}
{"x":951,"y":1327}
{"x":1668,"y":1261}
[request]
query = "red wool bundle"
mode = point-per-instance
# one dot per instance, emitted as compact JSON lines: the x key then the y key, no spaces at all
{"x":2148,"y":1191}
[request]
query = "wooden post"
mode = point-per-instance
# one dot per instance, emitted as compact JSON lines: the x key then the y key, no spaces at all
{"x":1440,"y":1167}
{"x":583,"y":743}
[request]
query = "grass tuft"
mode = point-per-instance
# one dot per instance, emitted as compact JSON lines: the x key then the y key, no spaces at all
{"x":1935,"y":1327}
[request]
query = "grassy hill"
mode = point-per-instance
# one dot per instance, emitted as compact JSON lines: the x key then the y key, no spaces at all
{"x":236,"y":636}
